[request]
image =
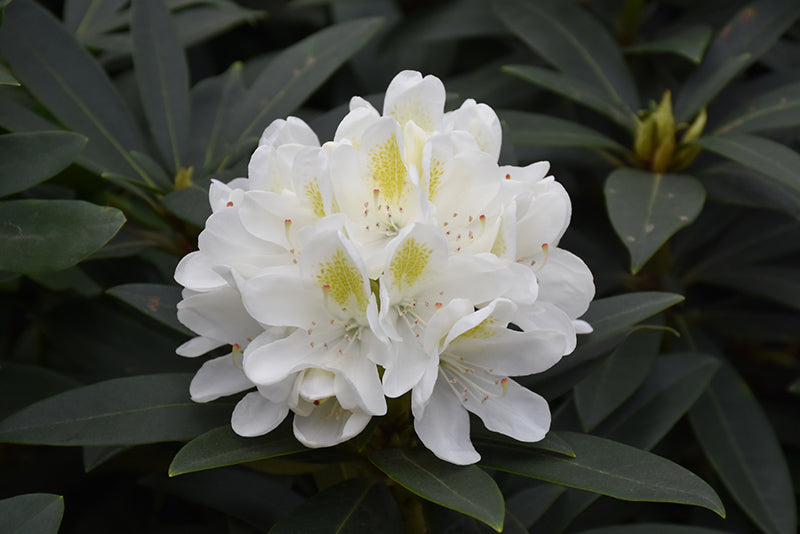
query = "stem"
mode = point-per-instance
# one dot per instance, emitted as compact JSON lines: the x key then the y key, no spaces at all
{"x":629,"y":21}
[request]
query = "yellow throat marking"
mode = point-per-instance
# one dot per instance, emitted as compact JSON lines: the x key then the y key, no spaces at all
{"x":409,"y":263}
{"x":344,"y":283}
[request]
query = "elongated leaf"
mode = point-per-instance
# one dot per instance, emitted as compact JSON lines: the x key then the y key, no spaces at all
{"x":6,"y":78}
{"x":609,"y":468}
{"x":190,"y":204}
{"x":162,"y":77}
{"x":49,"y":235}
{"x":17,"y":112}
{"x":646,"y":209}
{"x":27,"y":159}
{"x":354,"y":506}
{"x":70,"y":83}
{"x":739,"y":441}
{"x":574,"y":42}
{"x":769,"y":158}
{"x":21,"y":385}
{"x":616,"y":378}
{"x":550,"y":443}
{"x":298,"y":71}
{"x":95,"y":456}
{"x":534,"y":129}
{"x":33,"y":513}
{"x":612,"y":315}
{"x":777,"y":109}
{"x":732,"y":183}
{"x":689,"y":42}
{"x":222,"y":446}
{"x":737,"y":45}
{"x":774,"y":283}
{"x":466,"y":489}
{"x":122,"y":411}
{"x":156,"y":300}
{"x":530,"y":504}
{"x":651,"y":528}
{"x":575,"y":89}
{"x":447,"y":21}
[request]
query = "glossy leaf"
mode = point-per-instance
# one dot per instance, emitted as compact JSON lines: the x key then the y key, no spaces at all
{"x":651,"y":528}
{"x":550,"y":443}
{"x":21,"y":385}
{"x":461,"y":19}
{"x":222,"y":446}
{"x":534,"y":129}
{"x":609,"y":468}
{"x":769,"y":158}
{"x":72,"y":85}
{"x":530,"y":504}
{"x":771,"y":282}
{"x":297,"y":72}
{"x":574,"y":42}
{"x":732,"y":183}
{"x":94,"y":457}
{"x":6,"y":78}
{"x":163,"y":78}
{"x":49,"y":235}
{"x":354,"y":506}
{"x":646,"y":209}
{"x":740,"y":443}
{"x":738,"y":44}
{"x":575,"y":89}
{"x":613,"y":315}
{"x":190,"y":204}
{"x":156,"y":300}
{"x":689,"y":42}
{"x":614,"y":380}
{"x":32,"y":513}
{"x":17,"y":111}
{"x":122,"y":411}
{"x":27,"y":159}
{"x":777,"y":109}
{"x":466,"y":489}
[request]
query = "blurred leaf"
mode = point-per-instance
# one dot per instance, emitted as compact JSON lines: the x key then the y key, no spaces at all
{"x":647,"y":208}
{"x":21,"y":385}
{"x":550,"y":443}
{"x":529,"y":504}
{"x":214,"y":101}
{"x":297,"y":72}
{"x":27,"y":159}
{"x":613,"y":315}
{"x":574,"y":42}
{"x":70,"y":83}
{"x":575,"y":89}
{"x":777,"y":109}
{"x":122,"y":411}
{"x":33,"y":513}
{"x":770,"y":282}
{"x":96,"y":456}
{"x":613,"y":381}
{"x":17,"y":114}
{"x":156,"y":300}
{"x":222,"y":446}
{"x":794,"y":387}
{"x":163,"y":79}
{"x":190,"y":204}
{"x":457,"y":19}
{"x":674,"y":384}
{"x":466,"y":489}
{"x":737,"y":45}
{"x":739,"y":442}
{"x":354,"y":506}
{"x":538,"y":130}
{"x":652,"y":528}
{"x":772,"y":159}
{"x":72,"y":279}
{"x":689,"y":42}
{"x":732,"y":183}
{"x":50,"y":235}
{"x":6,"y":78}
{"x":88,"y":17}
{"x":204,"y":22}
{"x":609,"y":468}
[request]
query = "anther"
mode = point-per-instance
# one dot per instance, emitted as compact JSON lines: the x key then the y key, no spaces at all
{"x":229,"y":204}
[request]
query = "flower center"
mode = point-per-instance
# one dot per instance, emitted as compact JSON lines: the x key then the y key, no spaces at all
{"x":471,"y":382}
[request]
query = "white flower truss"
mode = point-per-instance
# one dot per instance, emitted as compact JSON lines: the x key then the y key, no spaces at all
{"x":390,"y":260}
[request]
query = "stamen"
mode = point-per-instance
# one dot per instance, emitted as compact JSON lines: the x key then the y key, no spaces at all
{"x":229,"y":204}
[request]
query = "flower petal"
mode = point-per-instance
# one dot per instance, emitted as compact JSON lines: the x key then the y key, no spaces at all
{"x":254,"y":415}
{"x":567,"y":282}
{"x":328,"y":424}
{"x":520,"y":414}
{"x":218,"y":377}
{"x":410,"y":97}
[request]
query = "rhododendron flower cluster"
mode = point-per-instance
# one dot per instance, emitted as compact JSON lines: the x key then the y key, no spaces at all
{"x":393,"y":259}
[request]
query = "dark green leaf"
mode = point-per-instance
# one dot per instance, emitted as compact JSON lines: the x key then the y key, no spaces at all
{"x":737,"y":45}
{"x":447,"y":21}
{"x":66,"y":79}
{"x":33,"y":513}
{"x":732,"y":183}
{"x":27,"y":159}
{"x":96,"y":456}
{"x":689,"y":42}
{"x":777,"y":109}
{"x":354,"y":506}
{"x":534,"y":129}
{"x":466,"y":489}
{"x":222,"y":446}
{"x":613,"y":381}
{"x":575,"y":89}
{"x":297,"y":72}
{"x":201,"y":23}
{"x":609,"y":468}
{"x":529,"y":504}
{"x":88,"y":17}
{"x":740,"y":443}
{"x":574,"y":42}
{"x":21,"y":385}
{"x":794,"y":387}
{"x":162,"y":77}
{"x":122,"y":411}
{"x":49,"y":235}
{"x":17,"y":112}
{"x":652,"y":528}
{"x":550,"y":443}
{"x":6,"y":78}
{"x":771,"y":282}
{"x":156,"y":300}
{"x":613,"y":315}
{"x":72,"y":279}
{"x":190,"y":204}
{"x":767,"y":157}
{"x":646,"y":209}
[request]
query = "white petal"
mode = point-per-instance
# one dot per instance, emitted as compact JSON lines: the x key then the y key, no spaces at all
{"x":355,"y":123}
{"x":520,"y":414}
{"x":481,"y":122}
{"x":291,"y":130}
{"x":254,"y":415}
{"x":442,"y":425}
{"x":566,"y":282}
{"x":218,"y":377}
{"x":196,"y":271}
{"x":328,"y":424}
{"x":197,"y":346}
{"x":512,"y":353}
{"x":417,"y":254}
{"x":409,"y":367}
{"x":412,"y":97}
{"x":280,"y":298}
{"x":582,"y":327}
{"x":219,"y":315}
